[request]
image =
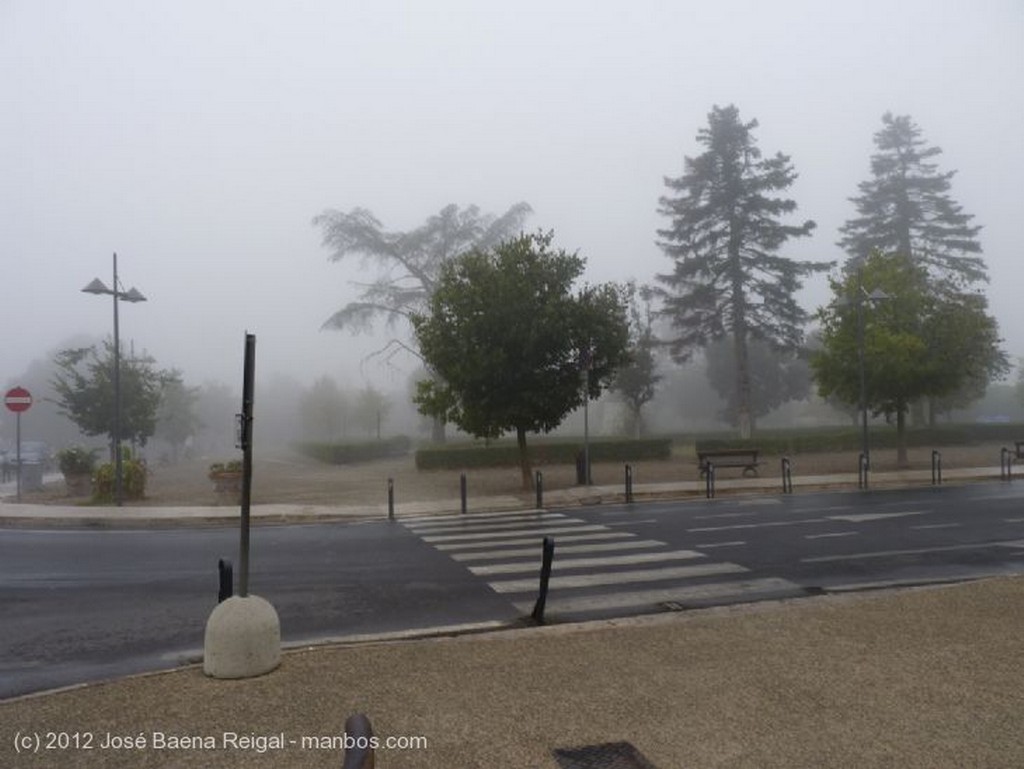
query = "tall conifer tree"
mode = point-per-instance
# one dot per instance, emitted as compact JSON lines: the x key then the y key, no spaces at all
{"x":725,"y":234}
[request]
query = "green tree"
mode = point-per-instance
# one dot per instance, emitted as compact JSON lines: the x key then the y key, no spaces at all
{"x":177,"y":419}
{"x":905,"y":208}
{"x":84,"y":385}
{"x":410,"y":262}
{"x":921,"y":341}
{"x":371,"y":410}
{"x":636,"y":382}
{"x":724,"y":238}
{"x":776,"y":377}
{"x":324,"y":411}
{"x":508,"y":334}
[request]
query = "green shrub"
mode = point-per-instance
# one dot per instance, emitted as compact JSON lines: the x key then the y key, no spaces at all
{"x":76,"y":460}
{"x":217,"y":468}
{"x":550,"y":452}
{"x":357,"y":451}
{"x":133,"y":481}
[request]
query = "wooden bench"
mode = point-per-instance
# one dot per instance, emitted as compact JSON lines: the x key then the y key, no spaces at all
{"x":745,"y":458}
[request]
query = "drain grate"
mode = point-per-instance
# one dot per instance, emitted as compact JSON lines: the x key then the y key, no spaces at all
{"x":609,"y":755}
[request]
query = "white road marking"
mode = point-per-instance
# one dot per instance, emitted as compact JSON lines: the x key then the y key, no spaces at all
{"x":616,"y":578}
{"x":915,"y":551}
{"x":536,"y":540}
{"x":862,"y":517}
{"x":832,"y":534}
{"x":448,"y":517}
{"x":488,"y":527}
{"x":715,"y":590}
{"x":490,"y":555}
{"x":716,"y":516}
{"x":760,"y":525}
{"x":509,"y":534}
{"x":579,"y":563}
{"x":735,"y":543}
{"x":937,"y":526}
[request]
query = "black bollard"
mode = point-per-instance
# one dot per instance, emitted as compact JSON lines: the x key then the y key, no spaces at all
{"x":787,"y":476}
{"x":545,"y":577}
{"x":539,"y":488}
{"x":391,"y":499}
{"x":709,"y":481}
{"x":227,"y":580}
{"x":462,"y":491}
{"x":862,"y":471}
{"x":629,"y":484}
{"x":936,"y":468}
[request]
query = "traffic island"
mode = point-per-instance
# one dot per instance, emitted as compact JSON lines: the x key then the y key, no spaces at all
{"x":243,"y":638}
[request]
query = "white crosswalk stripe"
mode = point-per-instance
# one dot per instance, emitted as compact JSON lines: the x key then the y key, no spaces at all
{"x":592,"y":562}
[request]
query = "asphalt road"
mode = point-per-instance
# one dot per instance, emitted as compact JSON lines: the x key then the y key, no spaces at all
{"x":89,"y":604}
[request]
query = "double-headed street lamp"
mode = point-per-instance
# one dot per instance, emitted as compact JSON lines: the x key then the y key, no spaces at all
{"x":131,"y":295}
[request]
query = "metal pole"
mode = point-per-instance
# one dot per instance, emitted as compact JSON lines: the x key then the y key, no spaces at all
{"x":17,"y":453}
{"x":118,"y":465}
{"x":586,"y":426}
{"x":539,"y":485}
{"x":860,"y":363}
{"x":629,"y":483}
{"x":462,"y":491}
{"x":391,"y":499}
{"x":248,"y":388}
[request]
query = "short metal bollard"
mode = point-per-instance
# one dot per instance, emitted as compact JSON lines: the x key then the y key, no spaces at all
{"x":709,"y":481}
{"x":359,"y":752}
{"x":862,"y":471}
{"x":538,"y":484}
{"x":936,"y":468}
{"x":787,"y":476}
{"x":391,"y":499}
{"x":545,"y":578}
{"x":462,"y":491}
{"x":629,"y":484}
{"x":1005,"y":464}
{"x":227,"y":580}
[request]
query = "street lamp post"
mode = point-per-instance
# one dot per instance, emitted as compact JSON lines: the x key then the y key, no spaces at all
{"x":131,"y":295}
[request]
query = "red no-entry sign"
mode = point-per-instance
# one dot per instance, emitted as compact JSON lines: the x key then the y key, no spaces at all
{"x":18,"y":399}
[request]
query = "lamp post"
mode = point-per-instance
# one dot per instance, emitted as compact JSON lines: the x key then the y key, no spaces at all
{"x":860,"y":297}
{"x":131,"y":295}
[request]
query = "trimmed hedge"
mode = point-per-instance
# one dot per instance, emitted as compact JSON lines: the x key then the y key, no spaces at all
{"x":552,"y":452}
{"x":356,"y":451}
{"x":849,"y":438}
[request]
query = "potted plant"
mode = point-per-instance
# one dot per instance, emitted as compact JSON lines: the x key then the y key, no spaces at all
{"x":78,"y":465}
{"x":227,"y":480}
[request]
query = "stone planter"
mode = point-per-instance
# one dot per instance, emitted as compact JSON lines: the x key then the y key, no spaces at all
{"x":78,"y":484}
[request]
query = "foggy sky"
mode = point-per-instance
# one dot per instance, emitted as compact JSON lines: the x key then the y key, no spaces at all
{"x":198,"y":139}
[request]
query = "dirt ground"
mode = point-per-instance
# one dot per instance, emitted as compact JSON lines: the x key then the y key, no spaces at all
{"x":292,"y":478}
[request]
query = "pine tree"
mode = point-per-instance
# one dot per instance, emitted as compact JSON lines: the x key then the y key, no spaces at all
{"x":905,"y":209}
{"x":724,"y":238}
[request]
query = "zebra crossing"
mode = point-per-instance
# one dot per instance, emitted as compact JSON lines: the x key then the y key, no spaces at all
{"x":596,"y":569}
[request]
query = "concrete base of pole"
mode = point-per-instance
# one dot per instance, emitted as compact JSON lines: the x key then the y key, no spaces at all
{"x":243,"y":638}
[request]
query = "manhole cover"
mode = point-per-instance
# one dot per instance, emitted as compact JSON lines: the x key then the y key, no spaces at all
{"x":609,"y":755}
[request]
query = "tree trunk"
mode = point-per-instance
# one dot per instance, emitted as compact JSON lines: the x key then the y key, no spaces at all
{"x":901,"y":438}
{"x":437,"y":430}
{"x":524,"y":460}
{"x":744,"y":418}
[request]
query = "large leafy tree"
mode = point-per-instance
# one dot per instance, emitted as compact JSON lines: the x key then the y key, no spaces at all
{"x":636,"y":382}
{"x":921,"y":340}
{"x":508,"y":333}
{"x":84,"y":386}
{"x":177,"y":415}
{"x":905,"y":208}
{"x":724,"y":237}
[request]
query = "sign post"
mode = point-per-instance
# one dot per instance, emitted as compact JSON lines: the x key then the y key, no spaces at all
{"x":18,"y":399}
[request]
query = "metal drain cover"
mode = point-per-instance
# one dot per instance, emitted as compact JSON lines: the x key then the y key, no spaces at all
{"x":609,"y":755}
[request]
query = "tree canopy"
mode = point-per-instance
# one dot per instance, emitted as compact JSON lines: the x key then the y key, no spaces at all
{"x":509,"y":336}
{"x":637,"y":380}
{"x":922,"y":340}
{"x":724,"y":238}
{"x":84,"y":385}
{"x":905,"y":208}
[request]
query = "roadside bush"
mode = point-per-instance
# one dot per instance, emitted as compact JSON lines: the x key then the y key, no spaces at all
{"x":133,"y":480}
{"x":560,"y":452}
{"x":357,"y":451}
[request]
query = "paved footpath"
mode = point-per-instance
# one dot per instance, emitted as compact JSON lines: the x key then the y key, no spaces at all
{"x":928,"y":677}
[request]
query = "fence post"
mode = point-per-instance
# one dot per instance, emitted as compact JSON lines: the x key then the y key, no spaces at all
{"x":545,"y":577}
{"x":629,"y":484}
{"x":539,"y":485}
{"x":709,"y":481}
{"x":462,"y":491}
{"x":787,"y":476}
